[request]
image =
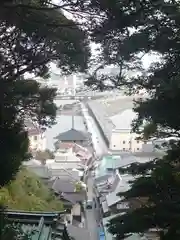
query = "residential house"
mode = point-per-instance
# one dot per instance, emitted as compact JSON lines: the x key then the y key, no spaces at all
{"x":110,"y":162}
{"x":45,"y":172}
{"x":81,"y":152}
{"x":108,"y":181}
{"x":37,"y":139}
{"x":71,"y":198}
{"x":74,"y":136}
{"x":66,"y":174}
{"x":65,"y":160}
{"x":112,"y":203}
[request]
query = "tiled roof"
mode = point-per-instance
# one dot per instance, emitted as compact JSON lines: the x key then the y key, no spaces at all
{"x":33,"y":131}
{"x":65,"y":174}
{"x":78,"y":233}
{"x":73,"y":135}
{"x":39,"y":225}
{"x":64,"y":145}
{"x":74,"y":197}
{"x":79,"y":150}
{"x":65,"y":186}
{"x":32,"y":128}
{"x":112,"y":199}
{"x":66,"y":165}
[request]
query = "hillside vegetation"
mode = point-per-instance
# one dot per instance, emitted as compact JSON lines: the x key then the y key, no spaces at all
{"x":28,"y":192}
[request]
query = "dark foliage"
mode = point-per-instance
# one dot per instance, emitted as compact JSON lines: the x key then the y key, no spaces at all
{"x":32,"y":34}
{"x":127,"y":31}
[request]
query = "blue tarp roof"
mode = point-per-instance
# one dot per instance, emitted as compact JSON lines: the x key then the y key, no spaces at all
{"x":101,"y":234}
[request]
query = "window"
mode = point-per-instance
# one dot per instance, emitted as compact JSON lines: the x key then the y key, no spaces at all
{"x":109,"y":169}
{"x":124,"y":142}
{"x":35,"y":138}
{"x":137,"y":148}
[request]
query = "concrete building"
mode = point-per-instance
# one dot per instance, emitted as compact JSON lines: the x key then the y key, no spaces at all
{"x":122,"y":138}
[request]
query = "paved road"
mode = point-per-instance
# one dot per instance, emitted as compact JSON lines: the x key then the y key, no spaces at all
{"x":100,"y":147}
{"x":91,"y":214}
{"x":99,"y":144}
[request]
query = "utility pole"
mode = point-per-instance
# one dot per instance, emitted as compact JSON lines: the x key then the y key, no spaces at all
{"x":73,"y":120}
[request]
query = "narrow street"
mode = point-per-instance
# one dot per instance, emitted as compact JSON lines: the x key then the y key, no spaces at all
{"x":92,"y":214}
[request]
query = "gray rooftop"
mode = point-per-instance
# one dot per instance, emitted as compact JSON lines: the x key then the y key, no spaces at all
{"x":65,"y":174}
{"x":74,"y":197}
{"x":102,"y":117}
{"x":115,"y":106}
{"x":65,"y":165}
{"x":73,"y":135}
{"x":41,"y":171}
{"x":65,"y":186}
{"x":78,"y":233}
{"x":115,"y":182}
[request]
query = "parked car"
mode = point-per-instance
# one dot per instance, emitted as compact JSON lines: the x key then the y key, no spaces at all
{"x":89,"y":204}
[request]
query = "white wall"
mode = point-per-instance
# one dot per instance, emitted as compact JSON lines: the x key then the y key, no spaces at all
{"x":37,"y":142}
{"x":76,"y":210}
{"x":66,"y":156}
{"x":149,"y":147}
{"x":125,"y":141}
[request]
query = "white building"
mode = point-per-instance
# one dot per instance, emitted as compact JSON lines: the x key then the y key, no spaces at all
{"x":64,"y":84}
{"x":65,"y":160}
{"x":122,"y":138}
{"x":37,"y":139}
